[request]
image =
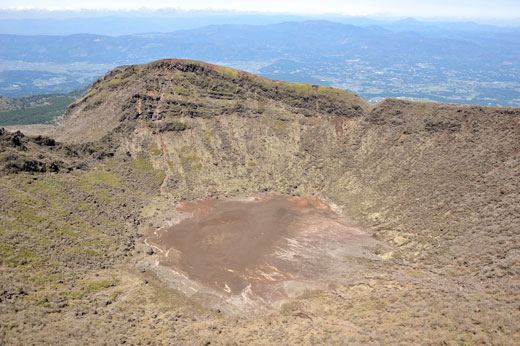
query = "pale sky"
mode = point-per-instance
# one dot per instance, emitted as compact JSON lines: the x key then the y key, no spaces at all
{"x":465,"y":9}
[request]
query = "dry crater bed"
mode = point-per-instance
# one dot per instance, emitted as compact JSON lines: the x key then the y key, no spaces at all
{"x":252,"y":254}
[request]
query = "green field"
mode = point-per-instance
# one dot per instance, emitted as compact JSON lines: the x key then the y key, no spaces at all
{"x":41,"y":109}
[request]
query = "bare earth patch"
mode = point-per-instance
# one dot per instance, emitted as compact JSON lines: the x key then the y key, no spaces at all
{"x":256,"y":252}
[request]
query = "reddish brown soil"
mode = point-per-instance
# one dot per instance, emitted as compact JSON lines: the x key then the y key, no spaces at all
{"x":253,"y":248}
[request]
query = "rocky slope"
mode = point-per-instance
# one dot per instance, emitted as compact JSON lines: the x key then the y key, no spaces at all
{"x":438,"y":183}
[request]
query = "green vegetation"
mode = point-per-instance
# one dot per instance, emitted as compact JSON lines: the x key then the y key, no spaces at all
{"x":189,"y":159}
{"x":228,"y":72}
{"x":98,"y":184}
{"x":299,"y":88}
{"x":124,"y":75}
{"x":99,"y":176}
{"x":145,"y":166}
{"x":89,"y":287}
{"x":262,"y":107}
{"x":96,"y":286}
{"x":115,"y":82}
{"x":36,"y":115}
{"x":332,"y":92}
{"x":142,"y":164}
{"x":180,"y":90}
{"x":176,"y":126}
{"x":279,"y":124}
{"x":43,"y":213}
{"x":16,"y":256}
{"x":71,"y":245}
{"x":39,"y":109}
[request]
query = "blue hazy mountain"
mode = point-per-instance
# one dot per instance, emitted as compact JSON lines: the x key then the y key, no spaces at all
{"x":118,"y":23}
{"x":299,"y":40}
{"x":465,"y":63}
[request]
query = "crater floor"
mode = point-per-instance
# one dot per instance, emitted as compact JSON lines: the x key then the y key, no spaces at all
{"x":254,"y":252}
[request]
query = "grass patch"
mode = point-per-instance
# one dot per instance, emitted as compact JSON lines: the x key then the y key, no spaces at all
{"x":122,"y":78}
{"x":279,"y":124}
{"x":145,"y":166}
{"x":67,"y":231}
{"x":332,"y":92}
{"x":103,"y":177}
{"x":228,"y":72}
{"x":83,"y":206}
{"x":142,"y":165}
{"x":96,"y":286}
{"x":180,"y":90}
{"x":113,"y":296}
{"x":159,"y":177}
{"x":95,"y":183}
{"x":189,"y":160}
{"x":261,"y":108}
{"x":299,"y":88}
{"x":115,"y":82}
{"x":89,"y":287}
{"x":156,"y":205}
{"x":16,"y":256}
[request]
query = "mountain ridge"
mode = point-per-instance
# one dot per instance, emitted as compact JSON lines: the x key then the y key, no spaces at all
{"x":231,"y":89}
{"x":127,"y":79}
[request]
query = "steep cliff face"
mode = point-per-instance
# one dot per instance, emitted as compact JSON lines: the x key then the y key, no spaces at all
{"x":180,"y":88}
{"x":438,"y":183}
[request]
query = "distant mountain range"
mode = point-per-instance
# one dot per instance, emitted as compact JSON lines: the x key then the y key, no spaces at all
{"x":118,"y":23}
{"x":458,"y":62}
{"x":295,"y":40}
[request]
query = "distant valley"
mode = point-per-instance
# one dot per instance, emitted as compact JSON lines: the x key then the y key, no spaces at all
{"x":464,"y":63}
{"x":38,"y":109}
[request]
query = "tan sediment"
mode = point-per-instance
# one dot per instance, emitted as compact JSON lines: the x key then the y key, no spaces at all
{"x":257,"y":249}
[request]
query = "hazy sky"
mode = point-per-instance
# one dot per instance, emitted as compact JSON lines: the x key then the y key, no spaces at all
{"x":417,"y":8}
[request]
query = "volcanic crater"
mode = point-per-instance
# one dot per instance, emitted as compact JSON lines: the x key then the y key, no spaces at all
{"x":178,"y":191}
